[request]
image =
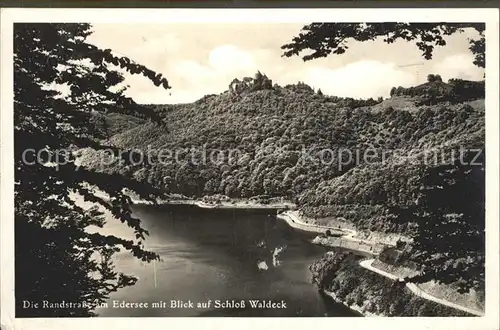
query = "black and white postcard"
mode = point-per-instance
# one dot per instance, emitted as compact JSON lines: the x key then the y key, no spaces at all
{"x":249,"y":168}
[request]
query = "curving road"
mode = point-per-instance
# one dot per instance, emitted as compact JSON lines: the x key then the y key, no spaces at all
{"x":416,"y":290}
{"x":292,"y":217}
{"x":367,"y":264}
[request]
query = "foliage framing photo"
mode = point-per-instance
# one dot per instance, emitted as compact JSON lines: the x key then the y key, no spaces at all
{"x":56,"y":258}
{"x":324,"y":39}
{"x":449,"y":240}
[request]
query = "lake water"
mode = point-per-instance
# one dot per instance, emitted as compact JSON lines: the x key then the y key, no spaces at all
{"x":221,"y":255}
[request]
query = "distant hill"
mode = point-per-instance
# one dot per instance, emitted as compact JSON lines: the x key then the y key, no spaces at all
{"x":277,"y":135}
{"x":403,"y":165}
{"x":436,"y":91}
{"x":385,"y":166}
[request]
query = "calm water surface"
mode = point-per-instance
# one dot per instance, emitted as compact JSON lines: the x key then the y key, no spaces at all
{"x":221,"y":255}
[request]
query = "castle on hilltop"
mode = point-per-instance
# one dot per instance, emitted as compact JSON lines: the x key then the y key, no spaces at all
{"x":249,"y":84}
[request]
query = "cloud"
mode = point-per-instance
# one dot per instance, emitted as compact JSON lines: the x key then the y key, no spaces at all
{"x":362,"y":79}
{"x":192,"y":79}
{"x":194,"y":71}
{"x":229,"y":58}
{"x":223,"y":63}
{"x":458,"y":66}
{"x":200,"y":59}
{"x":159,"y":95}
{"x":168,"y":43}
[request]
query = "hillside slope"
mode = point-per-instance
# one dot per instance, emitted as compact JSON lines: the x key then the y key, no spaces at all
{"x":287,"y":141}
{"x":386,"y":165}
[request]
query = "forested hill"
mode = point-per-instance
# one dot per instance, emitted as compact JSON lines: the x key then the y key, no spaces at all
{"x":295,"y":142}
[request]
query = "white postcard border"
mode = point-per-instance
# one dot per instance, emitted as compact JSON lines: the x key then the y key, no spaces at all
{"x":165,"y":16}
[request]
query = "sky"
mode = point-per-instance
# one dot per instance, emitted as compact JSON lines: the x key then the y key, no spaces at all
{"x":200,"y":59}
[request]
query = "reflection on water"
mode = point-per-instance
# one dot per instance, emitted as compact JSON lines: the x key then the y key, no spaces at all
{"x":277,"y":251}
{"x":262,"y":265}
{"x":221,"y":255}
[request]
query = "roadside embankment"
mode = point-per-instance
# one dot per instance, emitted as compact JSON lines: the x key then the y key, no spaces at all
{"x":339,"y":237}
{"x":244,"y":204}
{"x":293,"y":219}
{"x":341,"y":276}
{"x":346,"y":239}
{"x":230,"y":204}
{"x":448,"y":294}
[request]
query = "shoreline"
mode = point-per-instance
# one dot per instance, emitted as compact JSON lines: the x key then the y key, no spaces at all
{"x":293,"y":220}
{"x":345,"y":238}
{"x":226,"y":205}
{"x":354,"y":307}
{"x":349,"y":242}
{"x":246,"y":205}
